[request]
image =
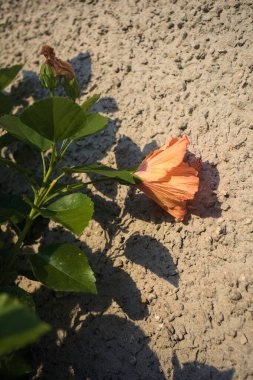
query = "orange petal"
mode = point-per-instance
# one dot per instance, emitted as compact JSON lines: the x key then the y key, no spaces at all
{"x":167,"y":179}
{"x":161,"y":197}
{"x":178,"y":188}
{"x":162,"y":161}
{"x":173,"y":192}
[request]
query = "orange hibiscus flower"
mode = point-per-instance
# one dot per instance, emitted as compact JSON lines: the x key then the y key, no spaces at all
{"x":167,"y":179}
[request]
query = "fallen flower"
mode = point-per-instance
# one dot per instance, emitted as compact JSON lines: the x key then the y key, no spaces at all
{"x":167,"y":179}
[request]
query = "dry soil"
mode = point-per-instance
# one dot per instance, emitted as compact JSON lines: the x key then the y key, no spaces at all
{"x":175,"y":299}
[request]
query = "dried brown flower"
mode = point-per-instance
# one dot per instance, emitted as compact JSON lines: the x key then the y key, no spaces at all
{"x":60,"y":67}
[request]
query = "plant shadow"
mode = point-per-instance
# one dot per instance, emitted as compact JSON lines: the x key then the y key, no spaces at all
{"x":198,"y":371}
{"x":82,"y":66}
{"x":88,"y":341}
{"x":113,"y":283}
{"x":152,"y":255}
{"x":127,"y":154}
{"x":104,"y":344}
{"x":106,"y":105}
{"x":94,"y":346}
{"x":88,"y":345}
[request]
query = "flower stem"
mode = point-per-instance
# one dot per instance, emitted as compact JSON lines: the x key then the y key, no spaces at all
{"x":43,"y":164}
{"x":39,"y":198}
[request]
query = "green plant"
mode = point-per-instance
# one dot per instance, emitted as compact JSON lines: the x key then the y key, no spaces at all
{"x":50,"y":126}
{"x":54,"y":123}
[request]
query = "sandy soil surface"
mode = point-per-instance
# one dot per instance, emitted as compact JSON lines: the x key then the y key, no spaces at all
{"x":175,"y":299}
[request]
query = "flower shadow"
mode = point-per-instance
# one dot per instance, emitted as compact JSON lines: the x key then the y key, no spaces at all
{"x":206,"y":203}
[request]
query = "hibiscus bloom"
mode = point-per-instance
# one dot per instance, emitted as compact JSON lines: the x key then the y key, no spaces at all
{"x":167,"y":179}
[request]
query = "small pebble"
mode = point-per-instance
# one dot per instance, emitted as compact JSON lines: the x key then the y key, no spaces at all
{"x":243,"y":339}
{"x":235,"y":295}
{"x":118,"y":263}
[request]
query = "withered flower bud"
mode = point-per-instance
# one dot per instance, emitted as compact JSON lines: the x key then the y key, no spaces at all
{"x":72,"y":88}
{"x":60,"y":69}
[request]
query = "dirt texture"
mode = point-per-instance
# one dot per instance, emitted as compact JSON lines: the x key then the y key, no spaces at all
{"x":174,"y":299}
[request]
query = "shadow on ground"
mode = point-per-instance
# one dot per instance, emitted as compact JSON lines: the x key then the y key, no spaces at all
{"x":102,"y":346}
{"x":198,"y":371}
{"x":152,"y":255}
{"x":90,"y":343}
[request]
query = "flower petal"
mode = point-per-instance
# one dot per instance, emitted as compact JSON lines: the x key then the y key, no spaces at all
{"x":161,"y":197}
{"x":163,"y":160}
{"x":174,"y":190}
{"x":167,"y":179}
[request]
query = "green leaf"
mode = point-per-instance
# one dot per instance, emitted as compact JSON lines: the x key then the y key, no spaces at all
{"x":18,"y":325}
{"x":87,"y":104}
{"x":7,"y":139}
{"x":126,"y":176}
{"x":73,"y":211}
{"x":6,"y":104}
{"x":7,"y":75}
{"x":55,"y":118}
{"x":12,"y":207}
{"x":20,"y":294}
{"x":63,"y":267}
{"x":23,"y":132}
{"x":94,"y":123}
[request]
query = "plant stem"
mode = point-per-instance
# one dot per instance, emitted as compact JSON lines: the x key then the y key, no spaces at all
{"x":41,"y":196}
{"x":24,"y":232}
{"x":78,"y":186}
{"x":44,"y":164}
{"x":38,"y":200}
{"x":52,"y":184}
{"x":43,"y":189}
{"x":64,"y":147}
